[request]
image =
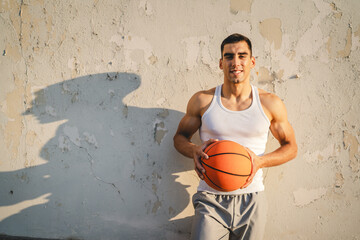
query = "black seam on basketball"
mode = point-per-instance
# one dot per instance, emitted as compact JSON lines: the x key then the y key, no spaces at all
{"x":213,"y":182}
{"x":214,"y":144}
{"x":238,"y":175}
{"x":228,"y":153}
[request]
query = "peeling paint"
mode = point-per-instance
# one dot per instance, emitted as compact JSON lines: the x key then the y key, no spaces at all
{"x":197,"y":51}
{"x":64,"y":143}
{"x":240,"y":5}
{"x":90,"y":139}
{"x":337,"y":13}
{"x":347,"y":49}
{"x":72,"y":133}
{"x":265,"y":76}
{"x":164,"y":113}
{"x":50,"y":111}
{"x":160,"y":132}
{"x":156,"y":207}
{"x":23,"y":177}
{"x":136,"y":49}
{"x":271,"y":30}
{"x":311,"y":41}
{"x":339,"y":180}
{"x":304,"y":196}
{"x":351,"y":143}
{"x":321,"y":156}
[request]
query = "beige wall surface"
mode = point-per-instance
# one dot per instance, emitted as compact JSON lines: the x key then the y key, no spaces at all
{"x":91,"y":93}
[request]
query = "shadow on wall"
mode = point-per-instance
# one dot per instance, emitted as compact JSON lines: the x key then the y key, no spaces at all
{"x":110,"y":167}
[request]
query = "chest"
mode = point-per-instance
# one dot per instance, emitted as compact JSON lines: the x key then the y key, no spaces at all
{"x":234,"y":105}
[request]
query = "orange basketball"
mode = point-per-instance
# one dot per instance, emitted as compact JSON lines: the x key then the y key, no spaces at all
{"x":228,"y":167}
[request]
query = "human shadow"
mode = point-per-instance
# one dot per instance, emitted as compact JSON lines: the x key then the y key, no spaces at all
{"x":111,"y":167}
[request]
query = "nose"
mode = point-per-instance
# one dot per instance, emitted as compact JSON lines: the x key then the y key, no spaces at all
{"x":236,"y":61}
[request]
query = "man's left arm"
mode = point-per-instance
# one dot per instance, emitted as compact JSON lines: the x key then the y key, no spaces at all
{"x":282,"y":131}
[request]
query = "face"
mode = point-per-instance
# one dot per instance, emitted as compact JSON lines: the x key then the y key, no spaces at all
{"x":236,"y":62}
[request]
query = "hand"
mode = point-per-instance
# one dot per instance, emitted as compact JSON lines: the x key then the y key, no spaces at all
{"x":198,"y":154}
{"x":255,"y":161}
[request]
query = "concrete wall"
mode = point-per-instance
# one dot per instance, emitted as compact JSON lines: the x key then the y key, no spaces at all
{"x":91,"y":93}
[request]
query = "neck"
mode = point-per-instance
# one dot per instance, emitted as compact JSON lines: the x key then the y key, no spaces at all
{"x":238,"y":90}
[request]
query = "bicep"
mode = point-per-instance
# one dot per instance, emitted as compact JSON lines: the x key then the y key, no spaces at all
{"x":280,"y":126}
{"x":188,"y":126}
{"x":191,"y":122}
{"x":282,"y":131}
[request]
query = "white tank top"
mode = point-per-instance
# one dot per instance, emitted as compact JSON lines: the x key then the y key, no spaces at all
{"x":249,"y":127}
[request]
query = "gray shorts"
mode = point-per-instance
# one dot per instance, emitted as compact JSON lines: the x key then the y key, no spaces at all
{"x":229,"y":216}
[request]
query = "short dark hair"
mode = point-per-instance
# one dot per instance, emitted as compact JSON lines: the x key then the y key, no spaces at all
{"x":234,"y":38}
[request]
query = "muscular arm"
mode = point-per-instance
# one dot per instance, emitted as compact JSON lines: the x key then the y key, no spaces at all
{"x":282,"y":131}
{"x":188,"y":125}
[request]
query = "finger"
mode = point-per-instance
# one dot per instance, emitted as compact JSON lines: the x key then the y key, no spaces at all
{"x":199,"y":166}
{"x":199,"y":173}
{"x":250,"y":153}
{"x":204,"y":155}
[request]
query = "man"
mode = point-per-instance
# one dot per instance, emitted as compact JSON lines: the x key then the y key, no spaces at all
{"x":240,"y":112}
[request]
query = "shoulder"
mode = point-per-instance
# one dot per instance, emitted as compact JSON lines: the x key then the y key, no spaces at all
{"x":272,"y":104}
{"x":200,"y":101}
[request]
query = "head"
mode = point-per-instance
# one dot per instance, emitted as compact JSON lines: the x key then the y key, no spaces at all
{"x":236,"y":59}
{"x":234,"y":38}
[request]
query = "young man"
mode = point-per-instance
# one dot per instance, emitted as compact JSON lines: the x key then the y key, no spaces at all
{"x":240,"y":112}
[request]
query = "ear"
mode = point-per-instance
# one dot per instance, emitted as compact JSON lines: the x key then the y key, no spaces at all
{"x":253,"y":63}
{"x":221,"y":63}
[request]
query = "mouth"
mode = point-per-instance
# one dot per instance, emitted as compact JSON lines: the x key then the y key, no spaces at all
{"x":236,"y":72}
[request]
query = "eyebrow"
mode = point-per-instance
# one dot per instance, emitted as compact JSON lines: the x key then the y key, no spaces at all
{"x":232,"y":54}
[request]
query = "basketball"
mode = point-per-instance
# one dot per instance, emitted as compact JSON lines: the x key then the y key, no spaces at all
{"x":228,"y":166}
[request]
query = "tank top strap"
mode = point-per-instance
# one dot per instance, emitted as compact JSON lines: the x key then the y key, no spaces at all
{"x":218,"y":91}
{"x":256,"y":98}
{"x":257,"y":102}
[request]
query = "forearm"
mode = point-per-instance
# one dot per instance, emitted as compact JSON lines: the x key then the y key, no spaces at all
{"x":283,"y":154}
{"x":184,"y":146}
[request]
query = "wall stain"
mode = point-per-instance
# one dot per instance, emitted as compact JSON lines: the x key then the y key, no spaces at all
{"x":270,"y":29}
{"x":337,"y":14}
{"x":339,"y":180}
{"x":347,"y":49}
{"x":159,"y":132}
{"x":351,"y":143}
{"x":240,"y":5}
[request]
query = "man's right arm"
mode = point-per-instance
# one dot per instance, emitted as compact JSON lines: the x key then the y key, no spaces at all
{"x":188,"y":125}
